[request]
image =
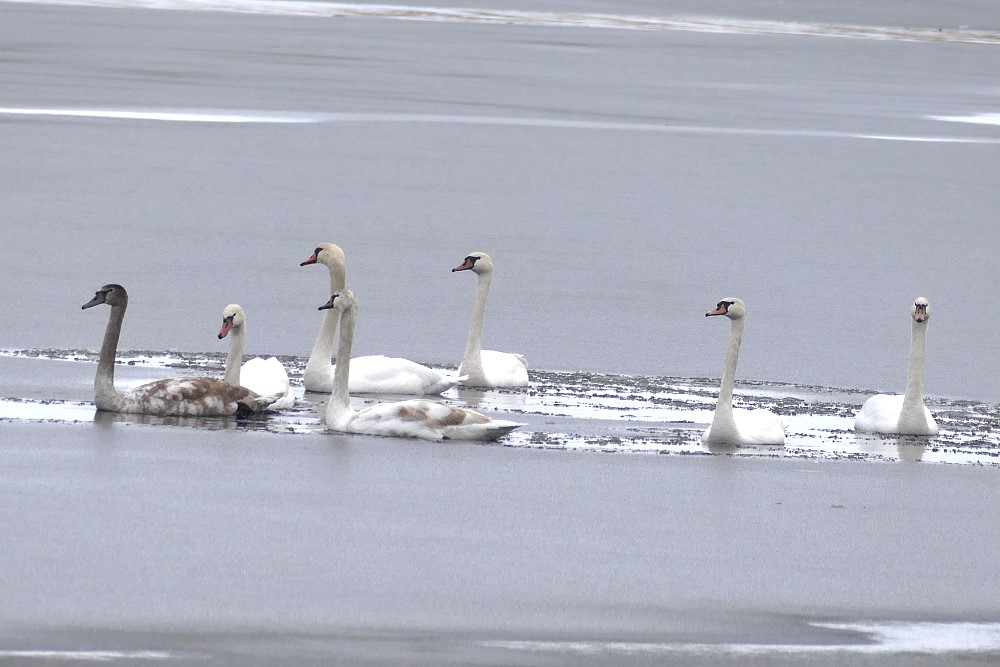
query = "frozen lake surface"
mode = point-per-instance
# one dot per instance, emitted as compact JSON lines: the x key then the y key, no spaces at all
{"x":623,"y":181}
{"x":626,"y":167}
{"x":579,"y":411}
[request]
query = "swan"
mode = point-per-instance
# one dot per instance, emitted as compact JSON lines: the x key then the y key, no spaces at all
{"x":487,"y":368}
{"x":267,"y":377}
{"x":735,"y":426}
{"x":904,"y":414}
{"x":375,"y":374}
{"x":186,"y":396}
{"x":414,"y":418}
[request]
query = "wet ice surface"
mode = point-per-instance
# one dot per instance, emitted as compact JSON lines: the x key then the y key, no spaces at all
{"x":573,"y":410}
{"x":575,"y":19}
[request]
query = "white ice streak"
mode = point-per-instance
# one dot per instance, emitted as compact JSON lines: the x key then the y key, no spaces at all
{"x":882,"y":639}
{"x":55,"y":411}
{"x":549,"y":19}
{"x":88,"y":656}
{"x":170,"y":115}
{"x":293,"y":117}
{"x":977,"y":119}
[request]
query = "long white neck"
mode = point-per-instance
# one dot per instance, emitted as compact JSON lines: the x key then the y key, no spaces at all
{"x":322,"y":351}
{"x":912,"y":411}
{"x":105,"y":395}
{"x":723,"y":423}
{"x":472,"y":362}
{"x":237,"y":337}
{"x":338,"y":409}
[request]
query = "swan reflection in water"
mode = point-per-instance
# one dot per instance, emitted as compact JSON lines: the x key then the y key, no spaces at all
{"x":904,"y":447}
{"x":911,"y":448}
{"x":107,"y":418}
{"x":727,"y":448}
{"x":301,"y":419}
{"x":490,"y":399}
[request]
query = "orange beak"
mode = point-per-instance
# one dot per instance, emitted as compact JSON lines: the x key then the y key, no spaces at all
{"x":312,"y":260}
{"x":464,"y":266}
{"x":227,"y":324}
{"x":721,"y":310}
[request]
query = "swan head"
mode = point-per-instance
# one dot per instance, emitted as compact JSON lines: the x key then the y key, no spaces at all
{"x":921,"y":310}
{"x":477,"y":262}
{"x":111,"y":294}
{"x":326,"y":253}
{"x":341,"y":300}
{"x":731,"y":307}
{"x":233,"y":317}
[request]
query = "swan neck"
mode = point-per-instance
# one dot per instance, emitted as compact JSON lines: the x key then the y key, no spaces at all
{"x":915,"y":371}
{"x":338,"y":277}
{"x":322,"y":351}
{"x":724,"y":410}
{"x":105,"y":394}
{"x":235,"y":357}
{"x":340,"y":399}
{"x":473,"y":361}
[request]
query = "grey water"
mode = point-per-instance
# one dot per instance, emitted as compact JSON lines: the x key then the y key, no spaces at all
{"x":624,"y":181}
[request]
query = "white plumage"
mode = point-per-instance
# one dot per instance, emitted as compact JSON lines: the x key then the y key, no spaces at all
{"x":737,"y":426}
{"x":414,"y":418}
{"x":906,"y":414}
{"x":267,"y":377}
{"x":487,"y":368}
{"x":376,"y":374}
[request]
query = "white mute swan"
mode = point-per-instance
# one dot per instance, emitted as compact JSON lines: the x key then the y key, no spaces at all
{"x":375,"y":374}
{"x":267,"y":377}
{"x":186,"y":396}
{"x":904,"y":414}
{"x":487,"y":368}
{"x":414,"y":418}
{"x":735,"y":426}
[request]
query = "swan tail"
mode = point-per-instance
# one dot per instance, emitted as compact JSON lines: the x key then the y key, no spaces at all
{"x":254,"y":404}
{"x":500,"y":428}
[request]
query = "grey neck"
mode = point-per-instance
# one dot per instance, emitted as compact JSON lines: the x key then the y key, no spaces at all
{"x":105,"y":395}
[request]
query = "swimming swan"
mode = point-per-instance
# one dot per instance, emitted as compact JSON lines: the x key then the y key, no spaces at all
{"x":267,"y":377}
{"x":735,"y":426}
{"x":414,"y":418}
{"x":487,"y":368}
{"x":375,"y":374}
{"x":904,"y":414}
{"x":186,"y":396}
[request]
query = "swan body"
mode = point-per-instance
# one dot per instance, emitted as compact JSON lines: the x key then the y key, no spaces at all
{"x":186,"y":396}
{"x":267,"y":377}
{"x":906,"y":414}
{"x":735,"y":426}
{"x":376,"y":374}
{"x":414,"y":418}
{"x":487,"y":368}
